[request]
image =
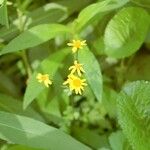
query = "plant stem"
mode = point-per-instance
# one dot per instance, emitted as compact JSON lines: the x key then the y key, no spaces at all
{"x":24,"y":53}
{"x":121,"y":71}
{"x":26,"y":63}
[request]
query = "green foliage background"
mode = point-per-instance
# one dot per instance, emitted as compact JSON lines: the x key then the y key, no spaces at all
{"x":33,"y":39}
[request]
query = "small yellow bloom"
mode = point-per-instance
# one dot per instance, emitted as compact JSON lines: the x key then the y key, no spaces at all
{"x":76,"y":44}
{"x":44,"y":78}
{"x":77,"y":67}
{"x":75,"y":83}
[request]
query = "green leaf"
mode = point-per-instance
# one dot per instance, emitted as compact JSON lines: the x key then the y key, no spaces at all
{"x":46,"y":13}
{"x":35,"y":36}
{"x":109,"y":101}
{"x":92,"y":72}
{"x":90,"y":138}
{"x":42,"y":15}
{"x":96,"y":11}
{"x":143,"y":3}
{"x":103,"y":148}
{"x":118,"y":141}
{"x":49,"y":104}
{"x":20,"y":147}
{"x":3,"y":13}
{"x":126,"y":32}
{"x":25,"y":131}
{"x":12,"y":105}
{"x":48,"y":66}
{"x":134,"y":113}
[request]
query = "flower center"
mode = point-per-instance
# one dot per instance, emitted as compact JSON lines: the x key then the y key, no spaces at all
{"x":77,"y":66}
{"x":77,"y":82}
{"x":77,"y":44}
{"x":44,"y":77}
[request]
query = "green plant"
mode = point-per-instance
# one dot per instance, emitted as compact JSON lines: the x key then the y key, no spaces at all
{"x":45,"y":105}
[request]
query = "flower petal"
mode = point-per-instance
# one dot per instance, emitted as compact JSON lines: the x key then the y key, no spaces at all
{"x":74,"y":49}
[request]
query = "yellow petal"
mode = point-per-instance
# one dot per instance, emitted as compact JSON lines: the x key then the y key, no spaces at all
{"x":40,"y":80}
{"x":39,"y":75}
{"x":46,"y":83}
{"x":83,"y":43}
{"x":76,"y":91}
{"x":82,"y":70}
{"x":74,"y":49}
{"x":73,"y":71}
{"x":75,"y":62}
{"x":49,"y":82}
{"x":66,"y":82}
{"x":71,"y":67}
{"x":80,"y":92}
{"x":79,"y":72}
{"x":82,"y":88}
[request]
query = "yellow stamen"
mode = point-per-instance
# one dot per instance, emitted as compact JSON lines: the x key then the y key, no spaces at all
{"x":75,"y":83}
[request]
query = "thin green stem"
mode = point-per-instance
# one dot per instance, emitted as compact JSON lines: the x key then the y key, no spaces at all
{"x":26,"y":63}
{"x":76,"y":56}
{"x":24,"y":53}
{"x":120,"y":73}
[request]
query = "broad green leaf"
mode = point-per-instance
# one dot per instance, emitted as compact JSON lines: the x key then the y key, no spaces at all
{"x":96,"y":11}
{"x":134,"y":113}
{"x":74,"y":5}
{"x":49,"y":104}
{"x":3,"y":13}
{"x":92,"y":72}
{"x":12,"y":105}
{"x":143,"y":3}
{"x":118,"y":141}
{"x":25,"y":131}
{"x":109,"y":101}
{"x":90,"y":138}
{"x":42,"y":15}
{"x":103,"y":148}
{"x":48,"y":66}
{"x":21,"y":147}
{"x":35,"y":36}
{"x":46,"y":13}
{"x":126,"y":32}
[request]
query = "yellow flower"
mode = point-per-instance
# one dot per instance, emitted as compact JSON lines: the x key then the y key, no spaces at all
{"x":75,"y":83}
{"x":77,"y":67}
{"x":68,"y":80}
{"x":76,"y":44}
{"x":44,"y":78}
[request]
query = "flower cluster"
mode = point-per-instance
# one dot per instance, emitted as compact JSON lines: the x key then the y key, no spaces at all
{"x":74,"y":79}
